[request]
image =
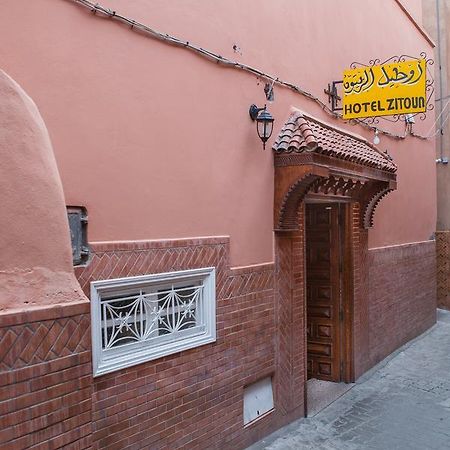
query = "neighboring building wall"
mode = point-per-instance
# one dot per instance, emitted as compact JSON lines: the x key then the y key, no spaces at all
{"x":413,"y":7}
{"x":436,"y":17}
{"x":443,"y":268}
{"x":402,"y":280}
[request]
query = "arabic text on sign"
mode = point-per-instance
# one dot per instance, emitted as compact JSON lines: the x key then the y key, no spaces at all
{"x":396,"y":88}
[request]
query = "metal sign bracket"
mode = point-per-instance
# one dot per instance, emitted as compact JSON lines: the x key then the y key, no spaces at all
{"x":333,"y":97}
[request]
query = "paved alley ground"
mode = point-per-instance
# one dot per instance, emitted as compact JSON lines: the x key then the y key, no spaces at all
{"x":403,"y":403}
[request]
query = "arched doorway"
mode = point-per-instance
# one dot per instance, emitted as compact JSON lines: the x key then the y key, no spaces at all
{"x":327,"y":185}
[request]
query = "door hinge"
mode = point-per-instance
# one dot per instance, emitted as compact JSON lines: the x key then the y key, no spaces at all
{"x":341,"y":315}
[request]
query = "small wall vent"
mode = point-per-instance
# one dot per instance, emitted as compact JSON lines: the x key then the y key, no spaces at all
{"x":258,"y":399}
{"x":78,"y":219}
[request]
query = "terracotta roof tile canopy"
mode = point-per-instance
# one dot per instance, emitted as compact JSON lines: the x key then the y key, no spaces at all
{"x":313,"y":157}
{"x":303,"y":133}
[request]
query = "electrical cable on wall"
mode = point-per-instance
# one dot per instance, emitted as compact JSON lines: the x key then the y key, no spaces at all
{"x":135,"y":25}
{"x":437,"y":118}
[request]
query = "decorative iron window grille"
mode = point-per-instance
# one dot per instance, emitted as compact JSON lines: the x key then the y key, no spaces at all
{"x":139,"y":319}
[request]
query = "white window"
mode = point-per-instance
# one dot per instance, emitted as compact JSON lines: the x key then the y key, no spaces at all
{"x":138,"y":319}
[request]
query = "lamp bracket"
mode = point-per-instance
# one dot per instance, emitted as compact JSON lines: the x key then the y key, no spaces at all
{"x":254,"y":110}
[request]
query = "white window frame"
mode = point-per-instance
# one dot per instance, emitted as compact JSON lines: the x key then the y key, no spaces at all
{"x":106,"y":360}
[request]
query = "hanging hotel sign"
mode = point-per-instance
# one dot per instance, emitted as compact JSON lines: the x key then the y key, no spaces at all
{"x":384,"y":90}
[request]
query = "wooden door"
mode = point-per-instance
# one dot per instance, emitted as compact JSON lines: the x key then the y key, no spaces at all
{"x":323,"y":291}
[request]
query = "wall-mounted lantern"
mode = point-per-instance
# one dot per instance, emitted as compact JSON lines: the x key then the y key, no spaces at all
{"x":264,"y":122}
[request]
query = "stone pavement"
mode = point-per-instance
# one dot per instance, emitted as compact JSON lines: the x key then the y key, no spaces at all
{"x":403,"y":403}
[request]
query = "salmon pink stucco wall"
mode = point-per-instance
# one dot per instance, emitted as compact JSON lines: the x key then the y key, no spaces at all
{"x":156,"y":141}
{"x":35,"y":254}
{"x":413,"y":7}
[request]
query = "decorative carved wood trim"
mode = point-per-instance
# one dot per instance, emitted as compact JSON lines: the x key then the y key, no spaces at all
{"x":366,"y":190}
{"x":292,"y":199}
{"x":370,"y":202}
{"x":312,"y":156}
{"x":337,"y":165}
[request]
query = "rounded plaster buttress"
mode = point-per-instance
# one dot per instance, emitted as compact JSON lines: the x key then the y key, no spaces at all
{"x":35,"y":251}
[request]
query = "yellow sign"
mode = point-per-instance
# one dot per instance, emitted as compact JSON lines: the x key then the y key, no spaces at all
{"x":395,"y":88}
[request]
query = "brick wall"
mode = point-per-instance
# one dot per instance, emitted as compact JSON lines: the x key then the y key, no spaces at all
{"x":443,"y":269}
{"x":359,"y":248}
{"x":291,"y":336}
{"x":402,"y":295}
{"x":45,"y":378}
{"x":193,"y":399}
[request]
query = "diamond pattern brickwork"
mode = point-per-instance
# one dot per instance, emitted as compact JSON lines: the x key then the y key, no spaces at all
{"x":34,"y":343}
{"x":443,"y":268}
{"x":46,"y":378}
{"x":125,"y":259}
{"x":246,"y":281}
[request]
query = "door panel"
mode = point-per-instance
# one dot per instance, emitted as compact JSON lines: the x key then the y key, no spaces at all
{"x":323,"y":291}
